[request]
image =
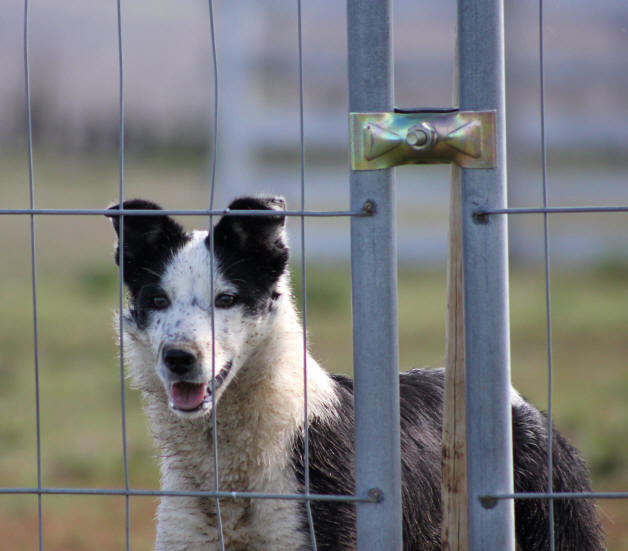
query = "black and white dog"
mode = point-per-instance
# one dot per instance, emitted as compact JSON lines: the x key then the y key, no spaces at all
{"x":255,"y":344}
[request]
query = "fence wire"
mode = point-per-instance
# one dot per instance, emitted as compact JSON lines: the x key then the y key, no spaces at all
{"x":121,"y":159}
{"x":212,"y":268}
{"x":31,"y":189}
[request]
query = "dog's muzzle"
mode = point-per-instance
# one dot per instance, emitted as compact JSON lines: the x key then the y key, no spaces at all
{"x":187,"y":393}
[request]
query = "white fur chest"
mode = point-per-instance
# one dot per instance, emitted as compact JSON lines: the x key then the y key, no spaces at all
{"x":254,"y":455}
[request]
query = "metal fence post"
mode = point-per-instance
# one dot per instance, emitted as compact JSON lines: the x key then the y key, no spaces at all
{"x":480,"y":56}
{"x":374,"y":275}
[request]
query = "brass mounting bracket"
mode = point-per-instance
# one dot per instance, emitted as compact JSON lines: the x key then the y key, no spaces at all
{"x":384,"y":140}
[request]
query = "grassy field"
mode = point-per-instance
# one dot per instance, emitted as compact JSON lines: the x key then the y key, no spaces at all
{"x":79,"y":374}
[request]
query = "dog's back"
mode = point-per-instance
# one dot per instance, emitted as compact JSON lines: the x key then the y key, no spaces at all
{"x":421,"y":394}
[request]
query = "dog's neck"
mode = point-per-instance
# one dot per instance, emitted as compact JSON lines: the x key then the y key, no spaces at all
{"x":258,"y":416}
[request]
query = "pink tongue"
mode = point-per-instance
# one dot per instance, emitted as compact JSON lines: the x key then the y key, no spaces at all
{"x":188,"y":396}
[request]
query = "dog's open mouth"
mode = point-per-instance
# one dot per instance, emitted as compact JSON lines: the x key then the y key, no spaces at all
{"x":190,"y":397}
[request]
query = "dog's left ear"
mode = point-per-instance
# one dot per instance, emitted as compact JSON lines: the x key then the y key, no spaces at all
{"x":260,"y":237}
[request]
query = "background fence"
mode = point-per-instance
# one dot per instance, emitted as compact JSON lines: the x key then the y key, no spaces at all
{"x":74,"y":167}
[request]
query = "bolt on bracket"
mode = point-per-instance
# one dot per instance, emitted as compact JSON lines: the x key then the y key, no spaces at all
{"x":384,"y":140}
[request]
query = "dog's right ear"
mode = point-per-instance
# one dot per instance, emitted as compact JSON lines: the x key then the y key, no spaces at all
{"x":148,"y":240}
{"x":258,"y":243}
{"x":254,"y":235}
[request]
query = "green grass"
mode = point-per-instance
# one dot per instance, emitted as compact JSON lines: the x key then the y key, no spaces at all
{"x":79,"y":380}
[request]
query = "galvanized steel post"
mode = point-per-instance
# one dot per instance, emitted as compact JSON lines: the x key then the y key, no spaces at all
{"x":374,"y":275}
{"x":480,"y":58}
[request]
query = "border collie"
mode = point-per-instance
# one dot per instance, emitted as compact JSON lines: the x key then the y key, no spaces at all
{"x":249,"y":362}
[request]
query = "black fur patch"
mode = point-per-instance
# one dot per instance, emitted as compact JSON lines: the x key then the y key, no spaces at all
{"x":150,"y":242}
{"x":332,"y":465}
{"x":331,"y":469}
{"x":251,"y":251}
{"x":575,"y":521}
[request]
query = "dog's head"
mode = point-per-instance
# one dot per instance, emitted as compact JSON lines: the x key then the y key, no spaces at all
{"x":184,"y":336}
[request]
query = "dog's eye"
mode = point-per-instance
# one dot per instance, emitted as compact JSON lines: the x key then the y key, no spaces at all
{"x":159,"y":302}
{"x":225,"y":300}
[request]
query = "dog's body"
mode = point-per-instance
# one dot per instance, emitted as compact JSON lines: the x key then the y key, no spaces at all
{"x":255,"y":342}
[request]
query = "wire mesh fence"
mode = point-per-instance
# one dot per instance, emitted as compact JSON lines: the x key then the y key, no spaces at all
{"x":32,"y":213}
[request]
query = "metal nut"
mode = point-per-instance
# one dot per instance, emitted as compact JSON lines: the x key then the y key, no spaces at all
{"x":416,"y":138}
{"x":421,"y":136}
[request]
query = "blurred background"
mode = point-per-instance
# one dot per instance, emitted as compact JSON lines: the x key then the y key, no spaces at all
{"x":168,"y":86}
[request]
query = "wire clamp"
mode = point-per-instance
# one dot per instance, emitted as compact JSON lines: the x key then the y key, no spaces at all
{"x":385,"y":140}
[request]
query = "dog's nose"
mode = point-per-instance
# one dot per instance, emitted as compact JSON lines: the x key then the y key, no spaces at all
{"x":178,"y":360}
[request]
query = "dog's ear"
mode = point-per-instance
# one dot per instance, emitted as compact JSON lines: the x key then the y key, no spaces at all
{"x":246,"y":232}
{"x":260,"y":238}
{"x":147,"y":239}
